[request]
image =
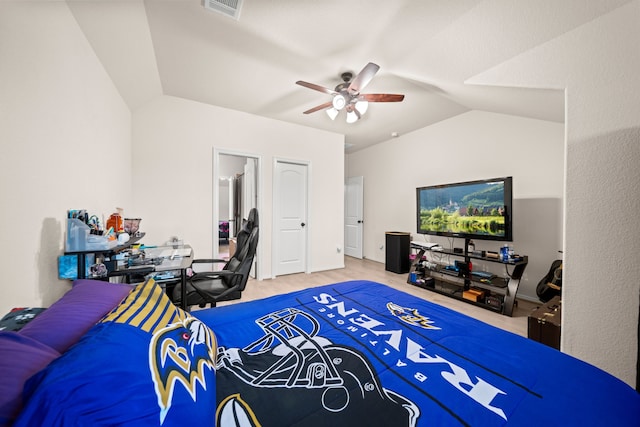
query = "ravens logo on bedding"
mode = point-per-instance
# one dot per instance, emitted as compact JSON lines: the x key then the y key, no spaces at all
{"x":411,"y":316}
{"x":180,"y":353}
{"x":317,"y":383}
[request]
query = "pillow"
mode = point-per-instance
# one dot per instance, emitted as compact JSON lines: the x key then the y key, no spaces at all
{"x":20,"y":358}
{"x":18,"y":317}
{"x":146,"y":363}
{"x":61,"y":325}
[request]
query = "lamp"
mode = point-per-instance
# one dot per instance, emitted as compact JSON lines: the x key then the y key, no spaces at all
{"x":332,"y":113}
{"x":355,"y":110}
{"x":352,"y":117}
{"x":362,"y":106}
{"x":339,"y":102}
{"x":352,"y":114}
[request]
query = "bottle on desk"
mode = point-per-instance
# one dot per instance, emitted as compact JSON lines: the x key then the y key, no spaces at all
{"x":504,"y":253}
{"x":115,"y":221}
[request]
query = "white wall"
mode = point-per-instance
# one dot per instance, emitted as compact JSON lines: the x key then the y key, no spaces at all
{"x":66,"y":144}
{"x":474,"y":145}
{"x":174,"y":141}
{"x":598,"y":63}
{"x":66,"y":138}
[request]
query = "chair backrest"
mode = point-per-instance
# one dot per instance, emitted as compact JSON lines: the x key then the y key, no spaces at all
{"x":245,"y":231}
{"x":247,"y":243}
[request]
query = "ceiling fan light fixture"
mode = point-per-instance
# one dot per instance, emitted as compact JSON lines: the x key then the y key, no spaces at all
{"x":339,"y":102}
{"x":332,"y":113}
{"x":362,"y":106}
{"x":352,"y":116}
{"x":348,"y":94}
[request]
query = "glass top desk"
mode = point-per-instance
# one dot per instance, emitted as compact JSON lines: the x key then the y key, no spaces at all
{"x":176,"y":259}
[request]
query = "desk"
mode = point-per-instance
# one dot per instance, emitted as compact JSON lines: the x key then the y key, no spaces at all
{"x":82,"y":255}
{"x":169,"y":263}
{"x":181,"y":261}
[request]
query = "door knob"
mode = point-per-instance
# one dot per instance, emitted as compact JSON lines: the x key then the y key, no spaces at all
{"x":360,"y":221}
{"x":302,"y":224}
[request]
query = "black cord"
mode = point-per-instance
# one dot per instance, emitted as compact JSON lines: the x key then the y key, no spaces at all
{"x":506,"y":270}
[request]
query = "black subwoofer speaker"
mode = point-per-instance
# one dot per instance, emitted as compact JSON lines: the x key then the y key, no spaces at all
{"x":398,"y":245}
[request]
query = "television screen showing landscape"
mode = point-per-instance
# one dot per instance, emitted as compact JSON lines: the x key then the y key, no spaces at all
{"x":473,"y":209}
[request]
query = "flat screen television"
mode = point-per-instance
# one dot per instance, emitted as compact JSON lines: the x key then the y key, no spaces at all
{"x":471,"y":210}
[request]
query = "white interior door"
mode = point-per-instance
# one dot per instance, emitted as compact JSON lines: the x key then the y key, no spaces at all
{"x":290,"y":206}
{"x":353,"y":221}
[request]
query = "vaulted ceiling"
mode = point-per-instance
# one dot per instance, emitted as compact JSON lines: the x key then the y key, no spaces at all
{"x":426,"y":49}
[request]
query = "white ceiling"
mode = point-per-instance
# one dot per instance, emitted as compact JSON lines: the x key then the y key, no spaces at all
{"x":426,"y":49}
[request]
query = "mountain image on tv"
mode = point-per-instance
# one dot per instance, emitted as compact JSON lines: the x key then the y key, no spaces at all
{"x":466,"y":209}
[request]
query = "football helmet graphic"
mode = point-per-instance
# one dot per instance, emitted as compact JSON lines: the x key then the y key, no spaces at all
{"x":316,"y":382}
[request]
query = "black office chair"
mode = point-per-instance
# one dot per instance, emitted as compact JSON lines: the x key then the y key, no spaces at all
{"x":209,"y":287}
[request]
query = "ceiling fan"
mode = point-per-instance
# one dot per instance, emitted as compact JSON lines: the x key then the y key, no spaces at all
{"x":347,"y":94}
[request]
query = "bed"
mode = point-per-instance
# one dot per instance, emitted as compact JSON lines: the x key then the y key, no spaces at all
{"x":352,"y":353}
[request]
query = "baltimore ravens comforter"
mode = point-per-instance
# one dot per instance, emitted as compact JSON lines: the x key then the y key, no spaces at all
{"x":363,"y":354}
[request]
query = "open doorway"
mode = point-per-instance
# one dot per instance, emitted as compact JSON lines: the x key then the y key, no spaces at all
{"x":236,"y":184}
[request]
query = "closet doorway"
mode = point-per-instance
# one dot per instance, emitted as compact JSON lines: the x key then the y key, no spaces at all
{"x":235,"y":193}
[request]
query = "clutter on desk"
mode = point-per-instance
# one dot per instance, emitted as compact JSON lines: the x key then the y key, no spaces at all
{"x":140,"y":258}
{"x":98,"y":270}
{"x":115,"y":221}
{"x":132,"y":225}
{"x":111,"y":249}
{"x":140,"y":255}
{"x":175,"y":242}
{"x":68,"y":266}
{"x":79,"y":214}
{"x":87,"y":232}
{"x":80,"y":238}
{"x":168,"y":252}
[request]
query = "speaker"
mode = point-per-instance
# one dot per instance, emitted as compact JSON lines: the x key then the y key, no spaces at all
{"x":398,"y":246}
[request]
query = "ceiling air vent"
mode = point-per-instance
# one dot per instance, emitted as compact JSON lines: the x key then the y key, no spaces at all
{"x":226,"y":7}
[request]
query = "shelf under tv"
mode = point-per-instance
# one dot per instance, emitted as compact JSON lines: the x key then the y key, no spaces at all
{"x":497,"y":295}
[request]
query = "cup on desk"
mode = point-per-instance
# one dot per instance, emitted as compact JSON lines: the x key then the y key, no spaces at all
{"x":132,"y":225}
{"x":175,"y":242}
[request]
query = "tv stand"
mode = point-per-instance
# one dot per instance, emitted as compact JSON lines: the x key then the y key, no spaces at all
{"x":483,"y":289}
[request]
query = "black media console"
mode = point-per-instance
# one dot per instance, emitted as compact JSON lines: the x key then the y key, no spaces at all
{"x":462,"y":279}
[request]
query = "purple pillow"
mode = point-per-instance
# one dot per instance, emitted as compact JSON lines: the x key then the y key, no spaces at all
{"x":61,"y":325}
{"x":147,"y":363}
{"x":20,"y":358}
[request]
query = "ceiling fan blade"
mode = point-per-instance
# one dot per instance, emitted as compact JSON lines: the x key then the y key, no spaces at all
{"x":380,"y":97}
{"x":319,"y":107}
{"x":317,"y":87}
{"x":363,"y":78}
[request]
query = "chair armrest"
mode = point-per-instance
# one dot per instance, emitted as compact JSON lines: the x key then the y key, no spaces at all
{"x":197,"y":265}
{"x":204,"y":275}
{"x":207,"y":261}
